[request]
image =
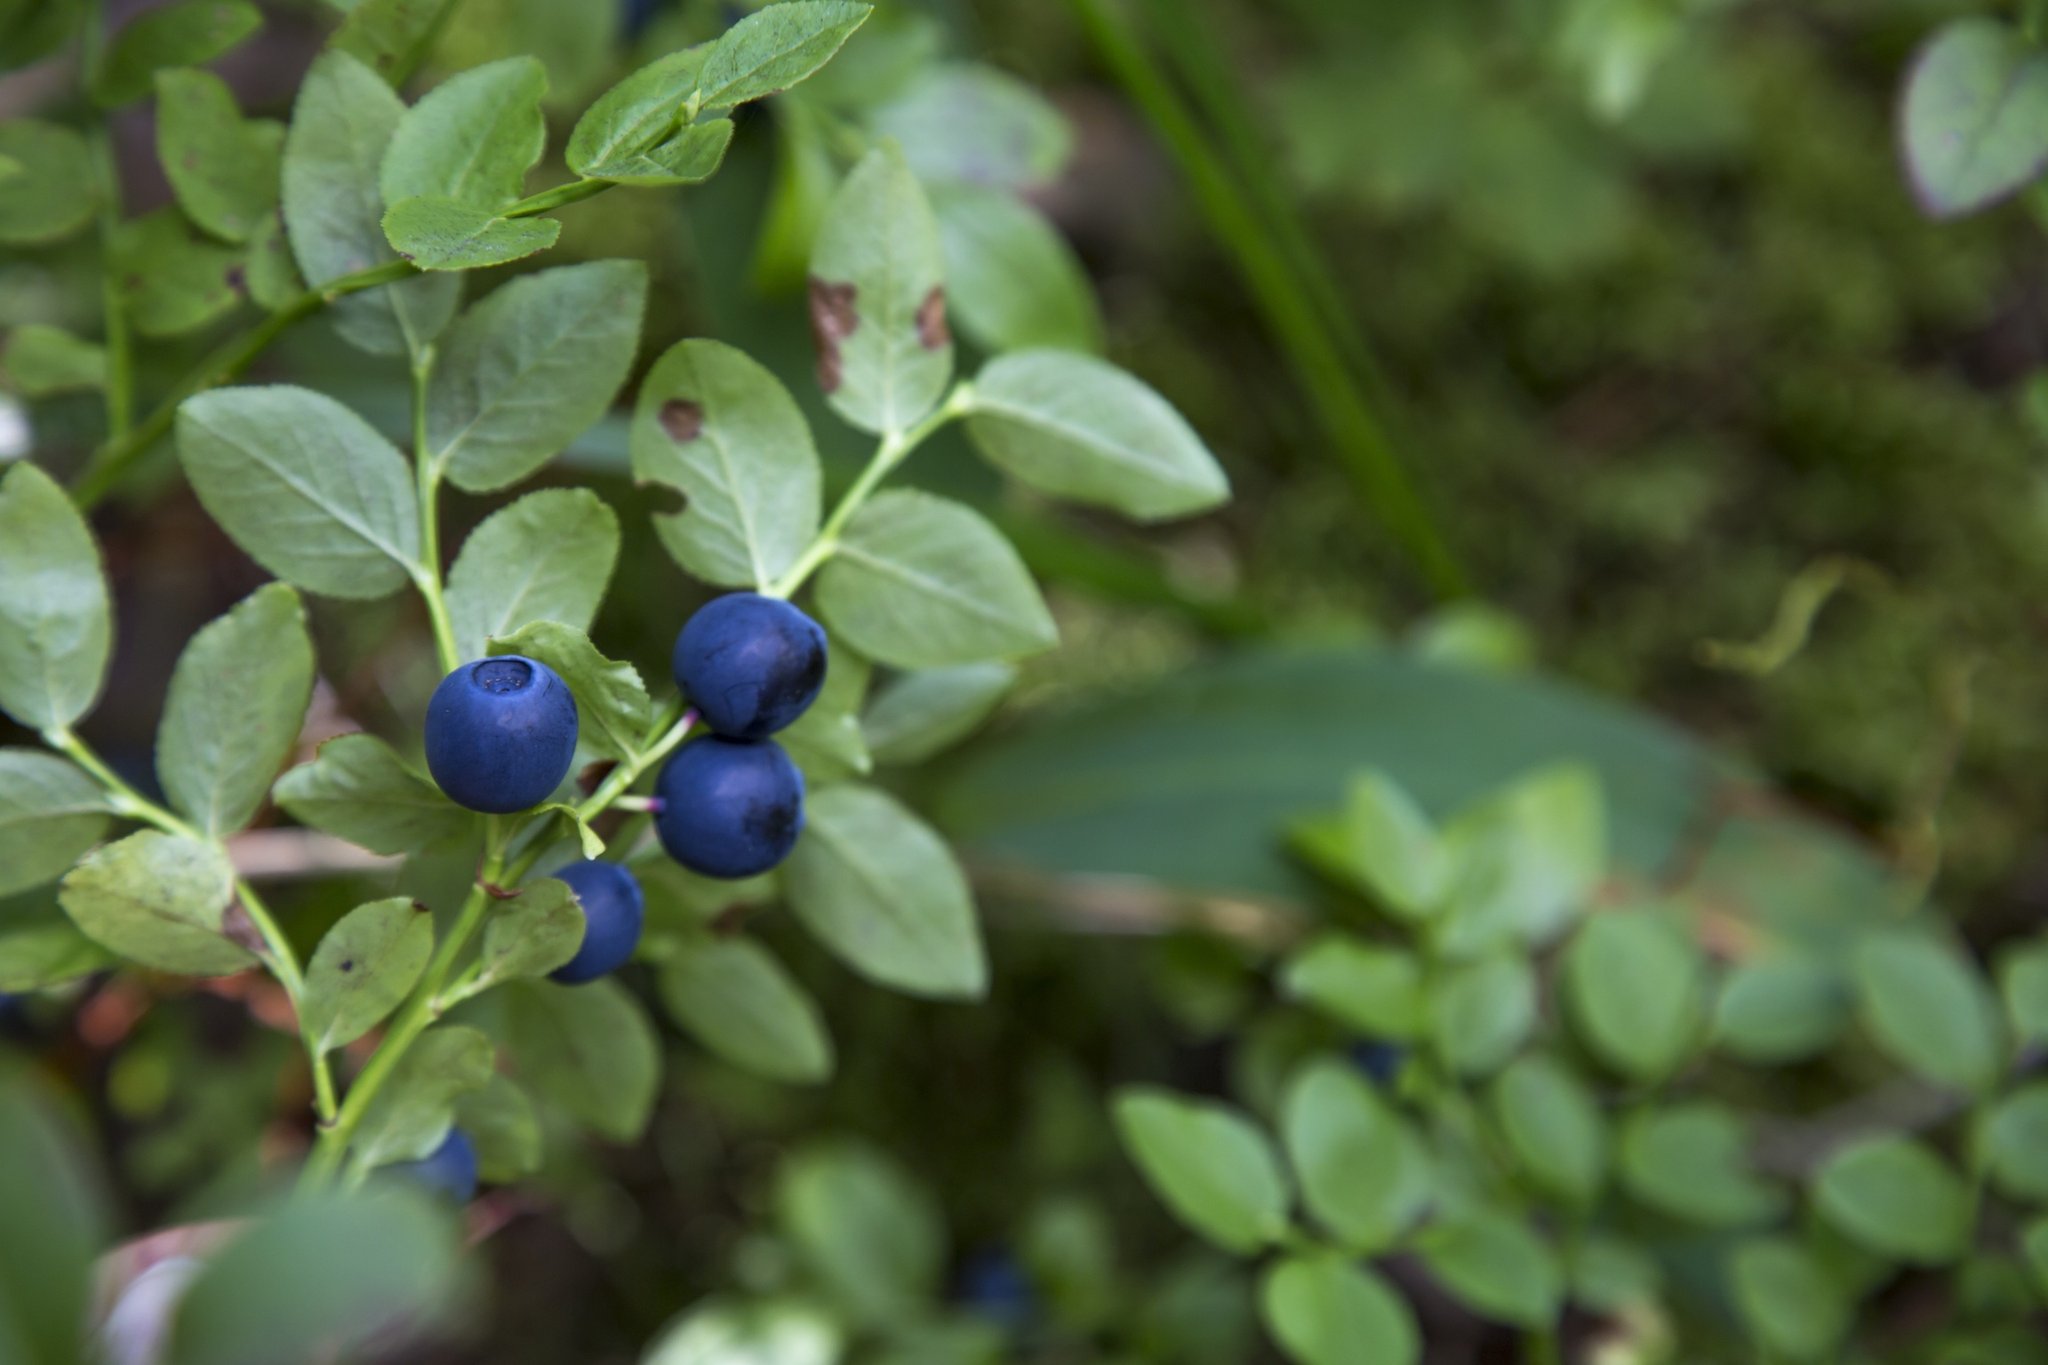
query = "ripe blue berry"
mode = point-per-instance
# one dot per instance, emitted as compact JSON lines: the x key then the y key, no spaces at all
{"x":449,"y":1169}
{"x":729,"y":808}
{"x":501,"y":734}
{"x":612,"y":911}
{"x":750,"y":664}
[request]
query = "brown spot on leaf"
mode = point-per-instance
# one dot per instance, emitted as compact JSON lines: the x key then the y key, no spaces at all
{"x":348,"y":964}
{"x":499,"y":893}
{"x":833,"y":320}
{"x":932,"y":332}
{"x":422,"y":908}
{"x":190,"y":161}
{"x":682,"y":419}
{"x":236,"y":277}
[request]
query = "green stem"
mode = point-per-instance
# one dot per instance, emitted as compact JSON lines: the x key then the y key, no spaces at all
{"x":894,"y":449}
{"x":1317,"y":360}
{"x":224,"y":363}
{"x":548,"y":200}
{"x":428,"y":476}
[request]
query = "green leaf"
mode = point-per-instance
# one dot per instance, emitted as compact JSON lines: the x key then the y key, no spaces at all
{"x":530,"y":368}
{"x":968,"y":122}
{"x":826,"y":741}
{"x":363,"y":969}
{"x":223,"y":168}
{"x":444,"y":234}
{"x":1691,"y":1161}
{"x":533,"y":933}
{"x":1481,"y":1011}
{"x":274,"y":280}
{"x":1210,"y":1164}
{"x":867,"y":1233}
{"x":738,"y":1001}
{"x":691,"y":156}
{"x":920,"y":582}
{"x":392,"y":37}
{"x":1497,"y":1266}
{"x":1382,"y":842}
{"x":182,"y":33}
{"x":1896,"y":1197}
{"x":50,"y":196}
{"x":1072,"y":426}
{"x":40,"y":360}
{"x":589,"y":1049}
{"x":1375,"y":990}
{"x":500,"y":1124}
{"x":574,"y":825}
{"x":56,"y":1224}
{"x":471,"y":138}
{"x":1553,"y":1126}
{"x":158,"y":899}
{"x":411,"y":1115}
{"x":357,"y":789}
{"x":1611,"y":1275}
{"x":1364,"y":1173}
{"x":338,"y":1269}
{"x":343,"y":121}
{"x":238,"y":697}
{"x":2016,"y":1142}
{"x":611,"y":701}
{"x":774,"y":48}
{"x":1780,"y":1009}
{"x":311,"y":491}
{"x":1929,"y":1008}
{"x":719,"y":428}
{"x":878,"y":298}
{"x":1634,"y":985}
{"x":53,"y":604}
{"x":1529,"y":859}
{"x":760,"y":1332}
{"x":546,"y":557}
{"x":1788,"y":1298}
{"x":172,"y":280}
{"x":2035,"y":1242}
{"x":634,"y":116}
{"x":50,"y":814}
{"x":40,"y":946}
{"x":1324,"y":1311}
{"x":921,"y":713}
{"x":1974,"y":121}
{"x":879,"y":889}
{"x":2023,"y":981}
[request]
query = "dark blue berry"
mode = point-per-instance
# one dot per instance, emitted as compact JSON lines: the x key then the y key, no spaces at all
{"x":501,"y":734}
{"x":612,"y":911}
{"x":750,"y":664}
{"x":992,"y":1285}
{"x":449,"y":1169}
{"x":1378,"y":1059}
{"x":729,"y":807}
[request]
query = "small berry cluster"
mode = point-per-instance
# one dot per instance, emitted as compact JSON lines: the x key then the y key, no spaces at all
{"x":501,"y":735}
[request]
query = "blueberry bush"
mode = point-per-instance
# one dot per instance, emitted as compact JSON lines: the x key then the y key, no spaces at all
{"x":574,"y":903}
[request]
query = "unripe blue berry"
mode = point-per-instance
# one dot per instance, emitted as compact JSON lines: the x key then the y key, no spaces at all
{"x":501,"y":734}
{"x":449,"y":1169}
{"x":613,"y":909}
{"x":729,"y":808}
{"x":750,"y":664}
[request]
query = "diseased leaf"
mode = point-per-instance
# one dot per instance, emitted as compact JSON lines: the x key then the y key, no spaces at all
{"x":363,"y":969}
{"x":222,"y":167}
{"x":182,"y":33}
{"x":611,"y":701}
{"x":532,"y":934}
{"x":47,"y":197}
{"x":410,"y":1116}
{"x":54,"y":622}
{"x":237,"y":699}
{"x":528,"y":369}
{"x":885,"y":895}
{"x":774,"y":48}
{"x":1209,"y":1164}
{"x":310,"y":490}
{"x":436,"y":233}
{"x":546,"y":557}
{"x":50,"y":814}
{"x":157,"y":899}
{"x":878,"y":298}
{"x":1974,"y":120}
{"x":357,"y":789}
{"x":720,"y":429}
{"x":341,"y":125}
{"x":920,"y":582}
{"x":738,"y":1001}
{"x":471,"y":138}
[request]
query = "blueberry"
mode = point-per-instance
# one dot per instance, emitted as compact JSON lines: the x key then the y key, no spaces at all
{"x":449,"y":1169}
{"x":612,"y":910}
{"x":729,"y":807}
{"x":501,"y":734}
{"x":1378,"y":1059}
{"x":750,"y":664}
{"x":992,"y":1285}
